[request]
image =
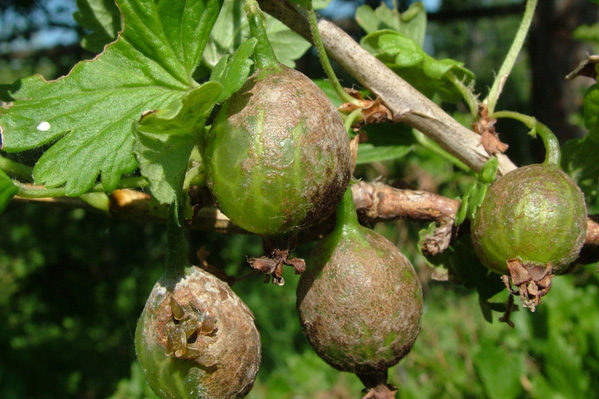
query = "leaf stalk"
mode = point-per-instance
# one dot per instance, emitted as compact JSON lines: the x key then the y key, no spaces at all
{"x":552,"y":148}
{"x":16,"y":169}
{"x":512,"y":55}
{"x":27,"y":191}
{"x":263,"y":52}
{"x":324,"y":60}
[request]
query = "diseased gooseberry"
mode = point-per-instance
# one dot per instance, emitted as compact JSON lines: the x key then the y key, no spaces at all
{"x":531,"y":225}
{"x":277,"y":155}
{"x":360,"y":302}
{"x":196,"y":339}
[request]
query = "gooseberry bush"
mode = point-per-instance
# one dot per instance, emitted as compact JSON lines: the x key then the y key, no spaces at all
{"x":193,"y":113}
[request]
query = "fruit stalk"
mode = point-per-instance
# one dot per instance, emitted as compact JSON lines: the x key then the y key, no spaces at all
{"x":16,"y":169}
{"x":324,"y":60}
{"x":176,"y":259}
{"x":263,"y":52}
{"x":552,"y":148}
{"x":511,"y":56}
{"x":347,"y":218}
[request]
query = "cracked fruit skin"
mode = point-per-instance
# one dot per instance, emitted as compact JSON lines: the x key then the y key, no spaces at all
{"x":359,"y":301}
{"x":227,"y":353}
{"x":277,"y":155}
{"x":536,"y":214}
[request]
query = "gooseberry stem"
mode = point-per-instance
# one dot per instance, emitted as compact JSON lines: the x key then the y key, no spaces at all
{"x":15,"y":169}
{"x":467,"y":94}
{"x":324,"y":60}
{"x":176,"y":245}
{"x":552,"y":148}
{"x":512,"y":55}
{"x":352,"y":118}
{"x":346,"y":212}
{"x":43,"y":192}
{"x":436,"y":149}
{"x":263,"y":52}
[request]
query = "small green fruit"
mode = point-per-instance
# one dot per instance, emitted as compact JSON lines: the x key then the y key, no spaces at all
{"x":277,"y":155}
{"x":359,"y":301}
{"x":535,"y":214}
{"x":196,"y":339}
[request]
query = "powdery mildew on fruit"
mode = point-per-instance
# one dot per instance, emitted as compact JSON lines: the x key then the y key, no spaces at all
{"x":536,"y":214}
{"x":360,"y":303}
{"x":278,"y":156}
{"x":230,"y":355}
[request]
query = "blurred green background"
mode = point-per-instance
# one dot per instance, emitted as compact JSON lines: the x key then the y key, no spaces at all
{"x":72,"y":282}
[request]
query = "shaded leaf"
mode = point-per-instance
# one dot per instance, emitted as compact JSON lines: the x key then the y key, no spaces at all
{"x":88,"y":114}
{"x":307,"y":4}
{"x":320,"y":4}
{"x":427,"y":74}
{"x":232,"y":28}
{"x":165,"y":138}
{"x":499,"y":370}
{"x":386,"y":141}
{"x":590,"y":111}
{"x":232,"y":71}
{"x":463,"y":264}
{"x":326,"y":86}
{"x":411,"y":23}
{"x":368,"y":153}
{"x":7,"y":190}
{"x":579,"y":161}
{"x":102,"y":18}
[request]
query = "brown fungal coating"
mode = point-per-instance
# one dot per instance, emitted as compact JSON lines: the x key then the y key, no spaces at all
{"x":530,"y":226}
{"x":197,"y":339}
{"x":277,"y":156}
{"x":536,"y":214}
{"x":360,"y":303}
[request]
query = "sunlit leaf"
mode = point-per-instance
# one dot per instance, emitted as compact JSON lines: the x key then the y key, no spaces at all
{"x":7,"y":190}
{"x":232,"y":28}
{"x":103,"y":21}
{"x":164,"y":140}
{"x":87,"y":115}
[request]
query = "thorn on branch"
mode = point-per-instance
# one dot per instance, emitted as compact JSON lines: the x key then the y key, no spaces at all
{"x":440,"y":239}
{"x":586,"y":68}
{"x":373,"y":111}
{"x":489,"y":138}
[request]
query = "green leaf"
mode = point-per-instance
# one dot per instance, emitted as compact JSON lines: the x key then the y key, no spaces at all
{"x":232,"y":28}
{"x":427,"y":74}
{"x":368,"y":153}
{"x":499,"y":371}
{"x":386,"y":141}
{"x":462,"y":262}
{"x":328,"y":89}
{"x":476,"y":199}
{"x":320,"y":4}
{"x":411,"y":23}
{"x":87,"y":115}
{"x":590,"y":111}
{"x":587,"y":33}
{"x":488,"y":172}
{"x":102,"y":18}
{"x":579,"y":160}
{"x":464,"y":205}
{"x":7,"y":190}
{"x":232,"y":72}
{"x":307,"y":4}
{"x":164,"y":140}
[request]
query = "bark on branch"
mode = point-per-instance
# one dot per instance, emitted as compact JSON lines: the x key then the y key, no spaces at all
{"x":374,"y":202}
